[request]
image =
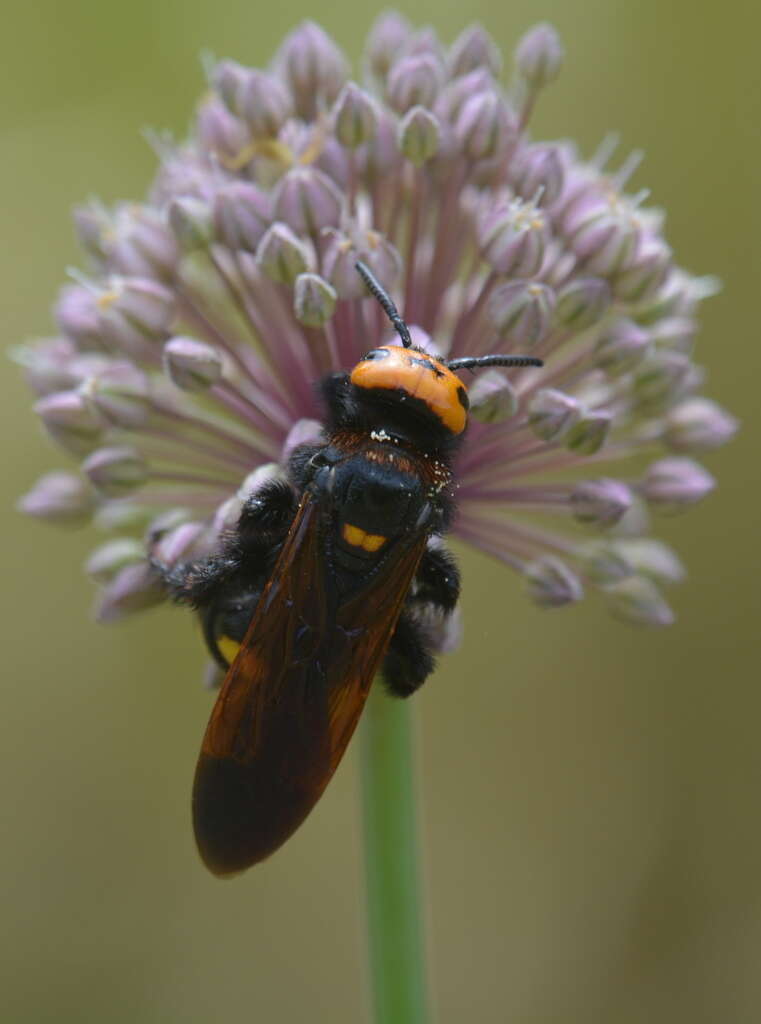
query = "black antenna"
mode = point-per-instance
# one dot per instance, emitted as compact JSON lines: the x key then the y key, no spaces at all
{"x":474,"y":362}
{"x":385,"y":300}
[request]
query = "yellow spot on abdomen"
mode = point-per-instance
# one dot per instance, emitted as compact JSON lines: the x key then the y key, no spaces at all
{"x":228,"y":648}
{"x":358,"y":538}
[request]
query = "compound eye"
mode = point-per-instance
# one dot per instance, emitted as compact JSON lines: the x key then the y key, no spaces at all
{"x":376,"y":353}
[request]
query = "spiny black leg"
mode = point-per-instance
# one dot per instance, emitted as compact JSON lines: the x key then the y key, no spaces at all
{"x":196,"y":583}
{"x":250,"y":550}
{"x":267,"y":514}
{"x":437,"y":581}
{"x":408,"y":661}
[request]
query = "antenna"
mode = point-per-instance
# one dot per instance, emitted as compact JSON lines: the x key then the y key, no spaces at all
{"x":475,"y":362}
{"x":385,"y":300}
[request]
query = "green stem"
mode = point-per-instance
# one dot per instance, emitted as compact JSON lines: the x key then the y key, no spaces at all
{"x":394,"y":922}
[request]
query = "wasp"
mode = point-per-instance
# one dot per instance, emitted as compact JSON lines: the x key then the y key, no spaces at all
{"x":330,"y":577}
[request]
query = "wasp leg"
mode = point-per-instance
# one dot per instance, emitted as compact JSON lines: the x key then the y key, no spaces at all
{"x":437,"y":581}
{"x":249,"y":551}
{"x":408,"y":661}
{"x":266,"y":516}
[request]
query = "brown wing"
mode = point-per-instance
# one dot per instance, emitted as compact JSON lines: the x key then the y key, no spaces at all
{"x":292,"y":697}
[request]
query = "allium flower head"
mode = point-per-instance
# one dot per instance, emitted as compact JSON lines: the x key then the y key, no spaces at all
{"x":183,"y":372}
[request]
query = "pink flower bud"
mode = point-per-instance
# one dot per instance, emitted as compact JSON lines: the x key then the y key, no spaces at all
{"x":414,"y":81}
{"x":242,"y":212}
{"x":355,"y":116}
{"x":388,"y":37}
{"x":551,"y":584}
{"x":307,"y":201}
{"x":551,"y":414}
{"x":115,"y":472}
{"x":600,"y":502}
{"x":419,"y":135}
{"x":59,"y":497}
{"x":70,"y":421}
{"x":698,"y":425}
{"x":673,"y":484}
{"x":263,"y":103}
{"x":638,"y":601}
{"x":191,"y":364}
{"x":282,"y":255}
{"x":539,"y":55}
{"x":313,"y":66}
{"x":314,"y":300}
{"x":473,"y":49}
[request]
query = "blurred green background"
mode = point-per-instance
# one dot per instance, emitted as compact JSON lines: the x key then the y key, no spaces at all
{"x":591,"y":792}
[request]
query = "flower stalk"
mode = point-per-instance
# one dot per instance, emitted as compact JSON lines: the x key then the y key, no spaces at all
{"x":395,"y":918}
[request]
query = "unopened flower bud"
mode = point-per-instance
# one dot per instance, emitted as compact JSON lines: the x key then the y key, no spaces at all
{"x":537,"y":171}
{"x":59,"y":497}
{"x":115,"y":471}
{"x":47,"y":364}
{"x":679,"y":295}
{"x":606,"y":239}
{"x":339,"y":263}
{"x":76,"y":313}
{"x":522,"y":311}
{"x":698,"y":425}
{"x":307,"y":201}
{"x":134,"y":313}
{"x":191,"y":222}
{"x":388,"y":37}
{"x":672,"y":484}
{"x":652,"y":558}
{"x":600,"y":502}
{"x":242,"y":212}
{"x":282,"y":255}
{"x":120,"y":395}
{"x":227,"y":77}
{"x":313,"y":66}
{"x":550,"y":583}
{"x":314,"y":300}
{"x":110,"y":558}
{"x":133,"y":589}
{"x":661,"y":379}
{"x":637,"y":600}
{"x":474,"y":48}
{"x":419,"y":135}
{"x":675,"y":332}
{"x":355,"y":116}
{"x":646,"y":271}
{"x":492,"y":398}
{"x":192,"y":365}
{"x":303,"y":431}
{"x":587,"y":436}
{"x":513,"y":237}
{"x":552,"y":413}
{"x":219,"y":131}
{"x":263,"y":103}
{"x":539,"y":55}
{"x":138,"y":243}
{"x":414,"y":81}
{"x":583,"y":302}
{"x":622,"y":347}
{"x":602,"y":563}
{"x":457,"y":92}
{"x":178,"y":543}
{"x":483,"y":126}
{"x":70,"y":421}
